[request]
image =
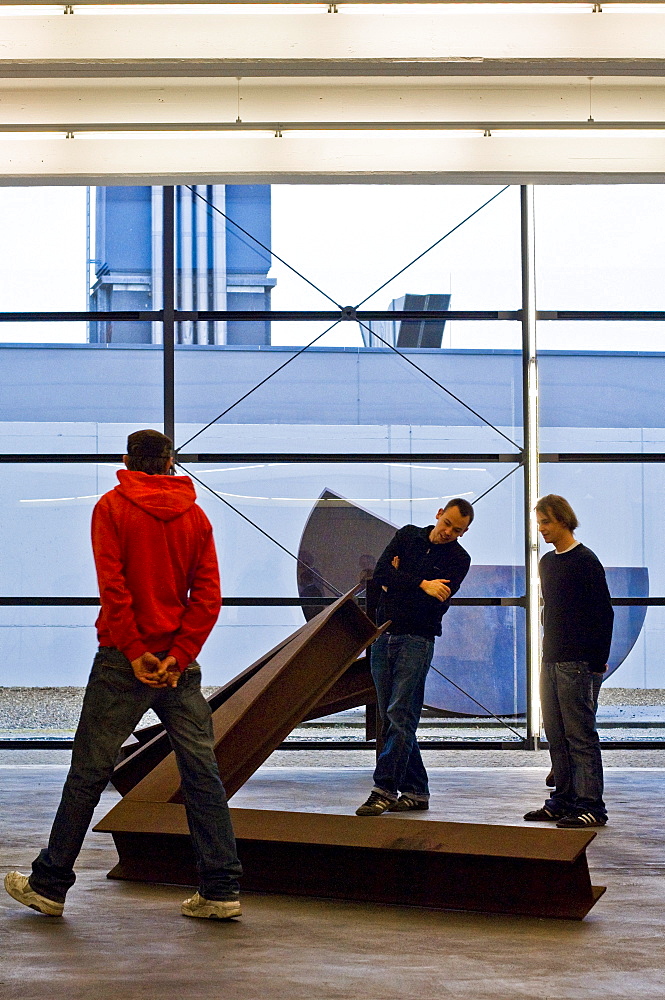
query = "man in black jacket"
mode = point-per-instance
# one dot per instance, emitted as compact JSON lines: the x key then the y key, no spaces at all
{"x":577,"y":620}
{"x":418,"y":573}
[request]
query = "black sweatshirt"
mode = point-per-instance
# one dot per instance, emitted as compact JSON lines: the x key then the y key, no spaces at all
{"x":578,"y":614}
{"x":409,"y":608}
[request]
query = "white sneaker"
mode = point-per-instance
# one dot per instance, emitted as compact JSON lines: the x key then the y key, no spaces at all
{"x":18,"y":887}
{"x":217,"y":909}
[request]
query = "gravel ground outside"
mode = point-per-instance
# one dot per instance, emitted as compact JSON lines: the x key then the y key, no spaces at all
{"x":476,"y":759}
{"x":59,"y":707}
{"x":29,"y":713}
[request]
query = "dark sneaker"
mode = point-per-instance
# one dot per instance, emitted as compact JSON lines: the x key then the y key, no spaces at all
{"x":18,"y":887}
{"x":406,"y":803}
{"x":375,"y":805}
{"x":581,"y":821}
{"x":543,"y":815}
{"x":214,"y":909}
{"x":550,"y":780}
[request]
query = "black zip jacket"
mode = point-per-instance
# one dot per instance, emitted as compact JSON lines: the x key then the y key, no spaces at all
{"x":409,"y":608}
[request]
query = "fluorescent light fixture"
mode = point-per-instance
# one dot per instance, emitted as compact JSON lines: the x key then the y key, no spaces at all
{"x":32,"y":135}
{"x":202,"y":9}
{"x":382,"y":8}
{"x":639,"y":131}
{"x":338,"y":130}
{"x":192,"y":6}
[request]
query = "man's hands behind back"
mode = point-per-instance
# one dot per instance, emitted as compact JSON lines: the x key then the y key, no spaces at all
{"x":150,"y":670}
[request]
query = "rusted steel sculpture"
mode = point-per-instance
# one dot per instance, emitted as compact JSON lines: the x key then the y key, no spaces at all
{"x":465,"y":866}
{"x":259,"y":708}
{"x":396,"y":860}
{"x":351,"y":690}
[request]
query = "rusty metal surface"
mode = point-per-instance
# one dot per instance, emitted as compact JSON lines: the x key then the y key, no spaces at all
{"x":353,"y":689}
{"x":261,"y":706}
{"x":470,"y":866}
{"x":398,"y":860}
{"x":153,"y":743}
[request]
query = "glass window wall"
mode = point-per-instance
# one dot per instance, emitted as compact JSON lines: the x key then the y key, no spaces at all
{"x":417,"y":407}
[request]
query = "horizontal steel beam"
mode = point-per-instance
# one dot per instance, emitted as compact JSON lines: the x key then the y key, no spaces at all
{"x":396,"y":458}
{"x":310,"y":602}
{"x":201,"y":458}
{"x":256,"y":602}
{"x":623,"y":315}
{"x":129,"y":316}
{"x":591,"y":457}
{"x":66,"y":744}
{"x":328,"y":458}
{"x":487,"y":868}
{"x":484,"y":127}
{"x":442,"y":67}
{"x":346,"y":314}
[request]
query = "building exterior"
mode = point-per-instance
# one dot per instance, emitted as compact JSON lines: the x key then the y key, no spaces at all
{"x":409,"y":332}
{"x":88,"y":401}
{"x":218,"y":265}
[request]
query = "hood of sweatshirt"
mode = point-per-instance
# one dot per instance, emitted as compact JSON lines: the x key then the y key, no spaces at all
{"x":164,"y":497}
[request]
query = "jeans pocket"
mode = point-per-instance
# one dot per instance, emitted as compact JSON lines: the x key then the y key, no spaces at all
{"x":191,"y":676}
{"x":113,"y":669}
{"x":110,"y":657}
{"x":573,"y":668}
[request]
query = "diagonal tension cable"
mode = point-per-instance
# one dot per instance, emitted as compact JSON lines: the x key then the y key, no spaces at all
{"x":261,"y":530}
{"x":475,"y":700}
{"x":302,"y":350}
{"x":440,"y":386}
{"x":421,"y":255}
{"x":334,"y":589}
{"x":272,"y":253}
{"x":257,"y":386}
{"x":498,"y":482}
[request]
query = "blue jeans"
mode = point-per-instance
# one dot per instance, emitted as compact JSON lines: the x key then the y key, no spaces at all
{"x":569,"y":694}
{"x":399,"y":665}
{"x":113,"y":705}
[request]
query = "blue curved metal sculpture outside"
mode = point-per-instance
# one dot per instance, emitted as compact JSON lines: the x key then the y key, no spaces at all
{"x":482,"y":649}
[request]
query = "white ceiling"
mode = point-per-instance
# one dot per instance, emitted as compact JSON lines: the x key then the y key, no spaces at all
{"x":486,"y":66}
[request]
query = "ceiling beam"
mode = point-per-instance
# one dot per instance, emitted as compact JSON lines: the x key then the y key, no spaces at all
{"x":314,"y":43}
{"x":438,"y":104}
{"x":352,"y":158}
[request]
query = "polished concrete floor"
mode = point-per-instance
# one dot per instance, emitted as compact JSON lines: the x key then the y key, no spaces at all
{"x":128,"y":941}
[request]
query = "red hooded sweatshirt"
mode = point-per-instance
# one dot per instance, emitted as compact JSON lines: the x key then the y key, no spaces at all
{"x":156,"y":568}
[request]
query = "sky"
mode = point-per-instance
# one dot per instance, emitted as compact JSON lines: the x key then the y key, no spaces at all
{"x":598,"y":247}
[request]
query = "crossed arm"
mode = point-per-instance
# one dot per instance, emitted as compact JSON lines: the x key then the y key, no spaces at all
{"x":435,"y":588}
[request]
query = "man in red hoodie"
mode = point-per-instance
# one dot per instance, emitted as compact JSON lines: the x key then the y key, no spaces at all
{"x":160,"y":598}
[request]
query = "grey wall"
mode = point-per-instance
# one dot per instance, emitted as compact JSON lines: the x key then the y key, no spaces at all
{"x":326,"y":386}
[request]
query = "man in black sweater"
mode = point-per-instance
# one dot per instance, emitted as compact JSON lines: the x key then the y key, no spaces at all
{"x":417,"y":574}
{"x":577,"y":619}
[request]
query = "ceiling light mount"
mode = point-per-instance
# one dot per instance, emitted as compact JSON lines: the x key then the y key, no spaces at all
{"x":277,"y":129}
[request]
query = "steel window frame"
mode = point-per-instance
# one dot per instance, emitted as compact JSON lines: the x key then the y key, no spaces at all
{"x":528,"y":457}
